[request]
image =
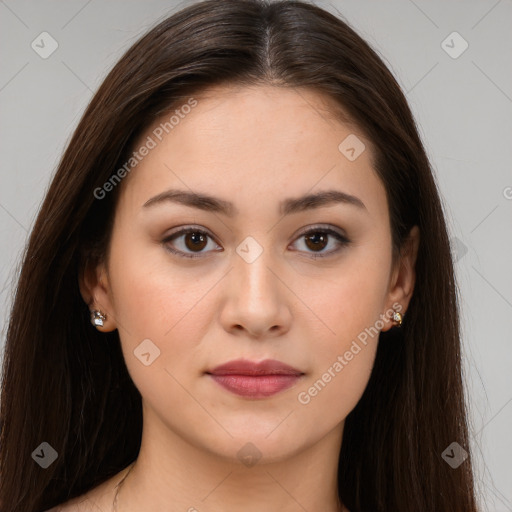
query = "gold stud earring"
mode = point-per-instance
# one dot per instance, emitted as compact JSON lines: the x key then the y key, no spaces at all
{"x":397,"y":318}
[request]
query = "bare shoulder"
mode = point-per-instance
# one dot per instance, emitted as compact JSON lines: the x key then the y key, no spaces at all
{"x":98,"y":499}
{"x":79,"y":504}
{"x":75,"y":505}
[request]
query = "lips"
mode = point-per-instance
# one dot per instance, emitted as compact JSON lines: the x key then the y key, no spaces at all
{"x":255,"y":379}
{"x":246,"y":367}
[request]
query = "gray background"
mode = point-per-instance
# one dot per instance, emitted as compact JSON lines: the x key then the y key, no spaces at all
{"x":463,"y":107}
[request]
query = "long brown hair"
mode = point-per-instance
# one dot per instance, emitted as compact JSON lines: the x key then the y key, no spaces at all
{"x":66,"y":384}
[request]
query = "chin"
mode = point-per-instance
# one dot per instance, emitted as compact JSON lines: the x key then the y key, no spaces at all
{"x":251,"y":446}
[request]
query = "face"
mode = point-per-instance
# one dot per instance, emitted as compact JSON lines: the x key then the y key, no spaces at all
{"x":263,"y":274}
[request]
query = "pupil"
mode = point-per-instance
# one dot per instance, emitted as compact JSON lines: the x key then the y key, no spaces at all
{"x":316,"y":238}
{"x":197,"y":239}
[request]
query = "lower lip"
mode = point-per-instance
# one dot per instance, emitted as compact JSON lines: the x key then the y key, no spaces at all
{"x":255,"y":386}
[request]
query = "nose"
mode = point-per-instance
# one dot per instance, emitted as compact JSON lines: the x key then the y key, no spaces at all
{"x":256,"y":298}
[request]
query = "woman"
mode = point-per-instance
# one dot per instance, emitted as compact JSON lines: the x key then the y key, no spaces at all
{"x":239,"y":293}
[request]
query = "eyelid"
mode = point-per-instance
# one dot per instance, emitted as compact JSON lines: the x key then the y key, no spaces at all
{"x":327,"y":228}
{"x":188,"y":229}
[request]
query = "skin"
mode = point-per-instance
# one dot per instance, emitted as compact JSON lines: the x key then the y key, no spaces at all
{"x":254,"y":147}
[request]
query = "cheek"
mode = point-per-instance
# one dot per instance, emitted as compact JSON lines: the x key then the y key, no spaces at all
{"x":350,"y":301}
{"x":160,"y":321}
{"x":342,"y":357}
{"x":348,"y":312}
{"x":331,"y":394}
{"x":153,"y":296}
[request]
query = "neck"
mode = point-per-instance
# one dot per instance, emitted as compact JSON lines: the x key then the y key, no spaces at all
{"x":194,"y":480}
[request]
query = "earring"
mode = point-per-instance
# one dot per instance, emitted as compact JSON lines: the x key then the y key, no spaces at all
{"x":97,"y":318}
{"x":397,"y":318}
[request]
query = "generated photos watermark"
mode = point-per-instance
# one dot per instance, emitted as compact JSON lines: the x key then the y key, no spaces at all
{"x":304,"y":397}
{"x":150,"y":143}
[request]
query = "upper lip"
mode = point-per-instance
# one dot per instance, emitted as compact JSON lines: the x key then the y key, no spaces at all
{"x":247,"y":367}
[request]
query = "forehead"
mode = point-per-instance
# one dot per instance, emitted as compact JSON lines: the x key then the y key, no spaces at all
{"x":239,"y":142}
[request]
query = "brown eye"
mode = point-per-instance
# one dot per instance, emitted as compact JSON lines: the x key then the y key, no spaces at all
{"x":192,"y":245}
{"x":318,"y":238}
{"x":316,"y":241}
{"x":195,"y":240}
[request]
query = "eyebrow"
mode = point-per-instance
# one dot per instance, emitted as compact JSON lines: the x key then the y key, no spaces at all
{"x":287,"y":206}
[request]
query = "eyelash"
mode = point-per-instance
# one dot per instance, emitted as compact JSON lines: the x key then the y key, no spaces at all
{"x":344,"y":241}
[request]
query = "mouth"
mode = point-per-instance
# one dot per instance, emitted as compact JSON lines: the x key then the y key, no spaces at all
{"x":255,"y":379}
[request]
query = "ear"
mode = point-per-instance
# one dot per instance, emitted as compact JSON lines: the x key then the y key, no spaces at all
{"x":403,"y":278}
{"x":95,"y":290}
